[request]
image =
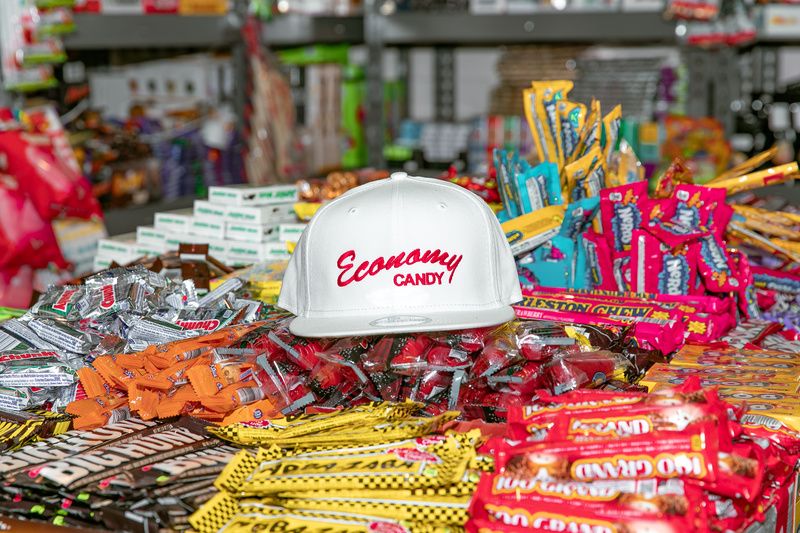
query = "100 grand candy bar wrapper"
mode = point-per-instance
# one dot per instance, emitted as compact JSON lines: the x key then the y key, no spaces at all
{"x":643,"y":386}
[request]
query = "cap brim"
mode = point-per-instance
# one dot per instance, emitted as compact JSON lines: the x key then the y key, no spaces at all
{"x":382,"y":324}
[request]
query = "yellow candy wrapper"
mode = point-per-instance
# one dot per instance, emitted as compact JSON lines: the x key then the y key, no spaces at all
{"x":528,"y":231}
{"x":590,"y":136}
{"x":428,"y":509}
{"x":756,"y":180}
{"x":296,"y":521}
{"x":747,"y":166}
{"x":541,"y":110}
{"x":285,"y":429}
{"x":399,"y":468}
{"x":611,"y":132}
{"x":625,"y":167}
{"x":572,"y":116}
{"x":585,"y":177}
{"x":758,"y":241}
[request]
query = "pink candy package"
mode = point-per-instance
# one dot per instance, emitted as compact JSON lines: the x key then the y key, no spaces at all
{"x":622,"y":210}
{"x":659,"y":268}
{"x":598,"y":261}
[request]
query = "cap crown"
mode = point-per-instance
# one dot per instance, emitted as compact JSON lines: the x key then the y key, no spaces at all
{"x":398,"y":250}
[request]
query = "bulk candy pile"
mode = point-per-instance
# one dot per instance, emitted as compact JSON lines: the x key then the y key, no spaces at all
{"x":649,"y":382}
{"x":673,"y":461}
{"x":261,"y":368}
{"x":130,"y":475}
{"x":388,"y":472}
{"x":43,"y":352}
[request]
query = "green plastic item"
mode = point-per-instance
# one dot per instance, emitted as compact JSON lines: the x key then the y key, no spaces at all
{"x":394,"y":96}
{"x":56,"y":29}
{"x":397,"y":152}
{"x":261,"y":9}
{"x":43,"y":59}
{"x":354,"y":95}
{"x":32,"y":86}
{"x":629,"y":130}
{"x":55,"y":3}
{"x":10,"y":312}
{"x":315,"y":54}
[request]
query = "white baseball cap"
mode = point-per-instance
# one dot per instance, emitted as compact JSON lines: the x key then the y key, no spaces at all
{"x":400,"y":255}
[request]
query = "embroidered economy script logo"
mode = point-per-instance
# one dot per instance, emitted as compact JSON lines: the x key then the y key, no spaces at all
{"x":350,"y":273}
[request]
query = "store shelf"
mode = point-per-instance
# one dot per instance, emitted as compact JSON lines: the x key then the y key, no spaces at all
{"x":296,"y":29}
{"x":551,"y":26}
{"x":127,"y":219}
{"x":151,"y":31}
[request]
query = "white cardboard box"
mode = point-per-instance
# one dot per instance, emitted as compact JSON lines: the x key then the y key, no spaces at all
{"x":268,"y":214}
{"x":237,"y":231}
{"x":101,"y":263}
{"x":252,"y":196}
{"x":208,"y":227}
{"x":174,"y":220}
{"x":148,"y":235}
{"x":207,"y":210}
{"x":118,"y":246}
{"x":216,"y":247}
{"x":290,"y":232}
{"x":248,"y":253}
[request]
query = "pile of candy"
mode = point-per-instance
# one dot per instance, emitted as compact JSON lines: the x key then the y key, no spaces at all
{"x":262,"y":370}
{"x":669,"y":249}
{"x":582,"y":219}
{"x":765,"y":379}
{"x":128,"y":476}
{"x":677,"y":460}
{"x":115,"y":311}
{"x":771,"y":239}
{"x":375,"y":467}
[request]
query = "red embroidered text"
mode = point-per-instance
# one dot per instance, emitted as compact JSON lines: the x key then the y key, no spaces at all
{"x":349,"y":272}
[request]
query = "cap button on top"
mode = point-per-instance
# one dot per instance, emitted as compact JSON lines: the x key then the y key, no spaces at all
{"x":398,"y":176}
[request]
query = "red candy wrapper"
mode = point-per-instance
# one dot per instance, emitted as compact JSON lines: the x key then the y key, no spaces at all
{"x":622,"y":210}
{"x":598,"y":261}
{"x":689,"y":454}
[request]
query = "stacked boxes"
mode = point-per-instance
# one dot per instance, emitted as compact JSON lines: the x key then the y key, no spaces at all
{"x":241,"y":225}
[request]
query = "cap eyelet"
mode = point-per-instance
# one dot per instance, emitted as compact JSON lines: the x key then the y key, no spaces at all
{"x":442,"y":205}
{"x":352,"y":211}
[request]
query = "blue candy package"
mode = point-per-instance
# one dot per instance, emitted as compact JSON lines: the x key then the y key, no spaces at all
{"x":551,"y":263}
{"x":578,"y":217}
